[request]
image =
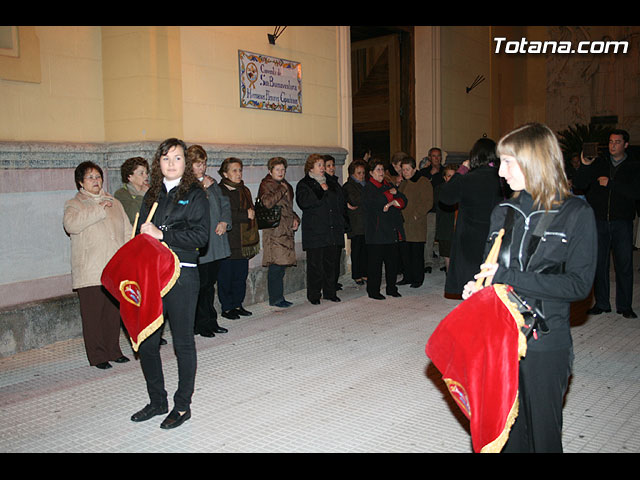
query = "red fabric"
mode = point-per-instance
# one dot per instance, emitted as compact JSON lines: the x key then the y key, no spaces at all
{"x":140,"y":273}
{"x":387,"y":193}
{"x":477,"y":349}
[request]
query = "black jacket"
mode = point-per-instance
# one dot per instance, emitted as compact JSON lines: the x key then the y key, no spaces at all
{"x":185,"y":223}
{"x":353,"y":195}
{"x":380,"y":227}
{"x":322,"y":212}
{"x":559,"y":271}
{"x":476,"y":193}
{"x":616,"y":201}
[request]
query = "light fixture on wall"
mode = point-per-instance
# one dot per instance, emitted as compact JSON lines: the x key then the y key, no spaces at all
{"x":479,"y":79}
{"x":274,"y":36}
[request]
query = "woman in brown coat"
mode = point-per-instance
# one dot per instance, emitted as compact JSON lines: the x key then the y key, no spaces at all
{"x":419,"y":193}
{"x":278,"y":243}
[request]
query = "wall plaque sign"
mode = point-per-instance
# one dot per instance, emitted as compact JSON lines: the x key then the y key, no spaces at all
{"x":270,"y":83}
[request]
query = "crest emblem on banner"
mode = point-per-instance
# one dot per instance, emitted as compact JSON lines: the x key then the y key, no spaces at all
{"x":131,"y":292}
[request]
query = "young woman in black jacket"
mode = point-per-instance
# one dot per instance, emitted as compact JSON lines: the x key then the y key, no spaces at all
{"x":182,"y":222}
{"x":549,"y":267}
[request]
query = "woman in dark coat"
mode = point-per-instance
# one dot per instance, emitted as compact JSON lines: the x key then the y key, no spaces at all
{"x":477,"y":190}
{"x":382,"y":204}
{"x":217,"y":248}
{"x":244,"y":240}
{"x":352,"y":189}
{"x":321,"y":200}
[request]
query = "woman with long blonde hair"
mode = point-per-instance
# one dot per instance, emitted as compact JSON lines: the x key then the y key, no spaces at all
{"x":548,"y":256}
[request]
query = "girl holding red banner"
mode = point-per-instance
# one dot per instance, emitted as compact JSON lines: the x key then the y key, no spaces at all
{"x":182,"y":222}
{"x":548,"y":256}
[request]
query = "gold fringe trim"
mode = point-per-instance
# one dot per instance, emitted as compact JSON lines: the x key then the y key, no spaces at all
{"x":144,"y":334}
{"x":176,"y":273}
{"x":157,"y":323}
{"x":498,"y":443}
{"x":501,"y":291}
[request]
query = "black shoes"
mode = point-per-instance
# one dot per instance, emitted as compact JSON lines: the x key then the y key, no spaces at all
{"x":416,"y":285}
{"x":315,"y":302}
{"x":394,"y":294}
{"x":333,"y":299}
{"x":376,"y":296}
{"x":403,"y":282}
{"x":174,"y":419}
{"x":149,"y":411}
{"x":243,"y":312}
{"x":427,"y":269}
{"x":597,"y":311}
{"x":628,"y":313}
{"x":231,"y":314}
{"x":107,"y":365}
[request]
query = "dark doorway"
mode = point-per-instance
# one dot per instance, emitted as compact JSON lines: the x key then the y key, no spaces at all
{"x":382,"y":90}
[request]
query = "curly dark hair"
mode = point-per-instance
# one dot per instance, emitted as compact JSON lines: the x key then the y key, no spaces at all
{"x":130,"y":165}
{"x":82,"y":169}
{"x":188,"y":177}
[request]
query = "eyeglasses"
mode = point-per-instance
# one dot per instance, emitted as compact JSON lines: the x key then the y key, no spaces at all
{"x":93,"y":177}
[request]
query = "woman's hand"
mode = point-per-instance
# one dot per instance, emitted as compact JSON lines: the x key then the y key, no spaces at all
{"x":296,"y":224}
{"x":251,"y":213}
{"x":487,"y":270}
{"x":324,"y":186}
{"x":150,"y":229}
{"x":106,"y":204}
{"x":221,"y":228}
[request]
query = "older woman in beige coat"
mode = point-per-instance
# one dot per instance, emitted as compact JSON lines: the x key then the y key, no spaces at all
{"x":419,"y":193}
{"x":98,"y":227}
{"x":278,"y":243}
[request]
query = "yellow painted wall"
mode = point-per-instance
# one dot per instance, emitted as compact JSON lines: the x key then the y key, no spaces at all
{"x":130,"y":83}
{"x":466,"y":117}
{"x":66,"y":102}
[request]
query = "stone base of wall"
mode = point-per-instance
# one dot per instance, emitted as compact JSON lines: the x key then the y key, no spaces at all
{"x":37,"y":324}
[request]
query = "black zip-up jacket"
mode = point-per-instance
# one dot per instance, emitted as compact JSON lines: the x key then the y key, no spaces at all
{"x":559,"y":271}
{"x":616,"y":201}
{"x":185,"y":223}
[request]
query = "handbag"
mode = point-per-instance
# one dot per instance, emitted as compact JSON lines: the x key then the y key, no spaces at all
{"x":267,"y":217}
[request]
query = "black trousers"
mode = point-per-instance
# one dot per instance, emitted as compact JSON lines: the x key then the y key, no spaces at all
{"x":358,"y":257}
{"x":377,"y":255}
{"x":179,"y":308}
{"x":206,"y":315}
{"x":616,"y":236}
{"x":544,"y":377}
{"x":412,"y":254}
{"x":321,"y":277}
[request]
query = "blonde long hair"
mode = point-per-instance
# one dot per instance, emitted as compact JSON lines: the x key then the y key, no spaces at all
{"x":537,"y":151}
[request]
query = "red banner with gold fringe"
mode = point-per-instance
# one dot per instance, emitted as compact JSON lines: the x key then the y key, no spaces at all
{"x":140,"y":273}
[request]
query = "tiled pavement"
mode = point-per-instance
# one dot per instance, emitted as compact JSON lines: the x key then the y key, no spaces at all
{"x":339,"y":377}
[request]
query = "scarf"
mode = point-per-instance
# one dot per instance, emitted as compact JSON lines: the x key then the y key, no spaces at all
{"x":387,"y":193}
{"x":361,"y":182}
{"x":320,"y":178}
{"x":97,"y":198}
{"x":249,"y":234}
